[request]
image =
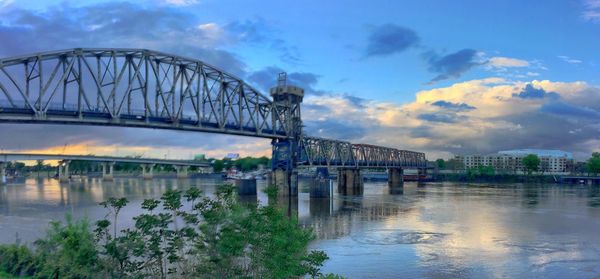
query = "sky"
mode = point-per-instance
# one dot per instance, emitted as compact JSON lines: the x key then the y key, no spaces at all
{"x":442,"y":77}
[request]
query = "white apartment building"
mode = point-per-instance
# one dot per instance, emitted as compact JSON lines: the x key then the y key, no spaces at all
{"x":551,"y":161}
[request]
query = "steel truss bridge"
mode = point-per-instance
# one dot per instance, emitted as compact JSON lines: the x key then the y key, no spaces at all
{"x":144,"y":88}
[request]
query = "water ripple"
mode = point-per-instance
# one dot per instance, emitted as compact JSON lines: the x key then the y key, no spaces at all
{"x":393,"y":237}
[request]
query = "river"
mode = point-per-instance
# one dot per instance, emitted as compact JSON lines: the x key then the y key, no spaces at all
{"x":432,"y":230}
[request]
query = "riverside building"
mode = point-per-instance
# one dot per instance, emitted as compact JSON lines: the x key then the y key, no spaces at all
{"x":511,"y":161}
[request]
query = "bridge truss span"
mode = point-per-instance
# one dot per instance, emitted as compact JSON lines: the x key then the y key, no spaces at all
{"x":334,"y":153}
{"x":136,"y":88}
{"x":150,"y":89}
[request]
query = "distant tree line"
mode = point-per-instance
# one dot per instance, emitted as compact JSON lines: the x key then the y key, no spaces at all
{"x":243,"y":164}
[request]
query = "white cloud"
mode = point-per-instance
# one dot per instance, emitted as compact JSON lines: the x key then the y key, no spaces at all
{"x":569,"y":59}
{"x":592,"y":10}
{"x":506,"y":62}
{"x":5,"y":3}
{"x":212,"y":32}
{"x":181,"y":2}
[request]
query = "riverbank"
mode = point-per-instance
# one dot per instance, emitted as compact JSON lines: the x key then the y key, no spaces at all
{"x":496,"y":178}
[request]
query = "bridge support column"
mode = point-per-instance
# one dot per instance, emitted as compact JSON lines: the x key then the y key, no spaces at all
{"x":320,"y":188}
{"x":63,"y":171}
{"x":182,"y":171}
{"x":421,"y":174}
{"x":395,"y":177}
{"x":246,"y":187}
{"x":286,"y":182}
{"x":2,"y":173}
{"x":147,"y":171}
{"x":108,"y":171}
{"x":350,"y":181}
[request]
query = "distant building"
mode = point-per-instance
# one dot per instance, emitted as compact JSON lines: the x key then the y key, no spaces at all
{"x":199,"y":157}
{"x":551,"y":161}
{"x":233,"y":156}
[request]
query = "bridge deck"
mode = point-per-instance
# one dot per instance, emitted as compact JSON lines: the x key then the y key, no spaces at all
{"x":8,"y":157}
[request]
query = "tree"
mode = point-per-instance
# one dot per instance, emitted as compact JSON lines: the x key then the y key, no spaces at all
{"x":531,"y":163}
{"x":441,"y":164}
{"x":593,"y":164}
{"x":454,"y":164}
{"x":218,"y":165}
{"x":486,"y":170}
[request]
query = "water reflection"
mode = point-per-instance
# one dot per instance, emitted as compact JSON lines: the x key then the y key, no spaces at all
{"x":434,"y":230}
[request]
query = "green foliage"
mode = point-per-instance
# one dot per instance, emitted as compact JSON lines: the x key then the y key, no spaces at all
{"x":593,"y":164}
{"x":486,"y":170}
{"x":79,"y":166}
{"x":454,"y":164}
{"x":271,"y":191}
{"x":251,"y":163}
{"x":214,"y":238}
{"x":115,"y":205}
{"x":531,"y":163}
{"x":68,"y":251}
{"x":441,"y":164}
{"x":480,"y":171}
{"x":17,"y":260}
{"x":243,"y":164}
{"x":218,"y":165}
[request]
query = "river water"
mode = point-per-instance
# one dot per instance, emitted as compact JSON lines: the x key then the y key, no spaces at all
{"x":433,"y":230}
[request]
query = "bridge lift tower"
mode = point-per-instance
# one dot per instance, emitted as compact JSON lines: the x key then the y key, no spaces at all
{"x":287,"y":99}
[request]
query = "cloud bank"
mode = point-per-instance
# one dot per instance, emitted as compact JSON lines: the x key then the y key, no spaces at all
{"x":477,"y":116}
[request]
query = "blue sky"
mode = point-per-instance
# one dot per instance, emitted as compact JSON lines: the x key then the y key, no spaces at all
{"x":391,"y":61}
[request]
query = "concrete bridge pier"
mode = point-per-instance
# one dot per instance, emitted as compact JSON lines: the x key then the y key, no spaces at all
{"x":63,"y":171}
{"x":286,"y":182}
{"x":320,"y":188}
{"x":421,"y":174}
{"x":246,"y":187}
{"x":147,"y":171}
{"x":395,"y":177}
{"x":350,"y":181}
{"x":2,"y":173}
{"x":108,"y":171}
{"x":182,"y":171}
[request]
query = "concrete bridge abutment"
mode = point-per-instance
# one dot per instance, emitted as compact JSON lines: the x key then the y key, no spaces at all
{"x":421,"y":174}
{"x":182,"y":171}
{"x":108,"y":171}
{"x":320,"y":186}
{"x":350,"y":181}
{"x":63,"y":171}
{"x":286,"y":182}
{"x":2,"y":173}
{"x":246,"y":187}
{"x":395,"y":177}
{"x":147,"y":171}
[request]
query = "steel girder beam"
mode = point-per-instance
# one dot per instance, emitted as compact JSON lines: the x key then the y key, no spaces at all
{"x":334,"y":153}
{"x":133,"y":87}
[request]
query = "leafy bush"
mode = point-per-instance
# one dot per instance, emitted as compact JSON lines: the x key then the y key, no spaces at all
{"x":17,"y":260}
{"x":209,"y":237}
